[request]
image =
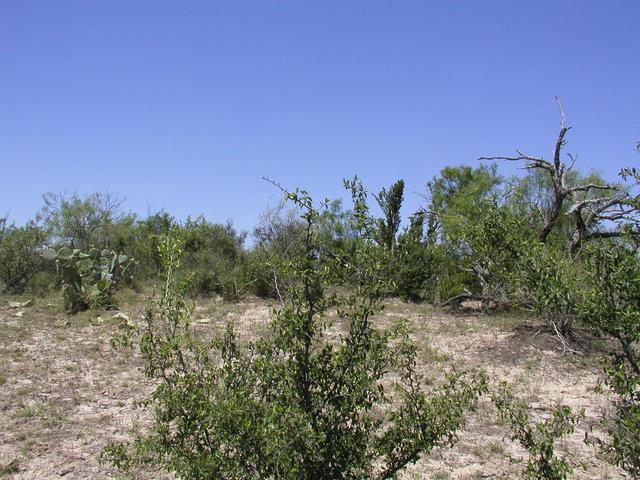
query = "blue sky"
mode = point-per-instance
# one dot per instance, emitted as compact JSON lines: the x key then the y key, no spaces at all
{"x":186,"y":105}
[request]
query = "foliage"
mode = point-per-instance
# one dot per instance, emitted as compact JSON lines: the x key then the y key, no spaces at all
{"x":5,"y":227}
{"x":554,"y":285}
{"x":88,"y":279}
{"x":612,"y":306}
{"x":20,"y":260}
{"x":415,"y":264}
{"x":514,"y":270}
{"x":81,"y":222}
{"x":278,"y":236}
{"x":538,"y":438}
{"x":141,"y":242}
{"x":334,"y":226}
{"x":298,"y":403}
{"x":495,"y":248}
{"x":390,"y":202}
{"x":533,"y":196}
{"x":213,"y":257}
{"x":457,"y":196}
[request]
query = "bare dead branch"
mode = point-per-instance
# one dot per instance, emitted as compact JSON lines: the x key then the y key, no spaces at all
{"x":591,"y":186}
{"x":560,"y":110}
{"x":533,"y":162}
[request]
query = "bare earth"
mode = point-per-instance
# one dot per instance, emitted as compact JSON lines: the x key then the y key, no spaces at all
{"x":64,"y":392}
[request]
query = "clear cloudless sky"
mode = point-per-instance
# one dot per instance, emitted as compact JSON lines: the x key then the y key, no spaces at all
{"x":185,"y":105}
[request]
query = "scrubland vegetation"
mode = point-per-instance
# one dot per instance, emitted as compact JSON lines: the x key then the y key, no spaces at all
{"x":338,"y":378}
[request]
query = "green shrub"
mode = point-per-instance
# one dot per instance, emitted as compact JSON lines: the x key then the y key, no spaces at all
{"x":213,"y":257}
{"x":42,"y":282}
{"x":551,"y":286}
{"x":278,"y":238}
{"x":20,"y":259}
{"x":298,"y":403}
{"x":142,"y":244}
{"x":415,"y":263}
{"x":452,"y":279}
{"x":514,"y":269}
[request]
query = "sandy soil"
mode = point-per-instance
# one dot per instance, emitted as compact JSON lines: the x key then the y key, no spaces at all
{"x":64,"y":392}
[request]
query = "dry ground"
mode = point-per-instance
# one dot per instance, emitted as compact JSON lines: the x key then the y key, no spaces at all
{"x":64,"y":392}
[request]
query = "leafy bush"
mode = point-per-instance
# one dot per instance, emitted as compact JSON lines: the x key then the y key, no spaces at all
{"x":415,"y":263}
{"x":553,"y":282}
{"x":495,"y":249}
{"x":457,"y":196}
{"x":298,"y":403}
{"x":213,"y":257}
{"x":142,"y":242}
{"x":517,"y":271}
{"x":20,"y":259}
{"x":279,"y":237}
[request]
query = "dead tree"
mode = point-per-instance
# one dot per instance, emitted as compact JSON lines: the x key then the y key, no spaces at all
{"x":558,"y":172}
{"x":587,"y":213}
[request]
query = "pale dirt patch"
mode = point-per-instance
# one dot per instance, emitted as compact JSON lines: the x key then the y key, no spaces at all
{"x":65,"y":392}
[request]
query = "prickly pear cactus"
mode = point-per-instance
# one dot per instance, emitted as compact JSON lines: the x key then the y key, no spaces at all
{"x":88,"y":279}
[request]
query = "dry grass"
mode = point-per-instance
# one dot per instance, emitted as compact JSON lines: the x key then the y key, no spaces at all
{"x":64,"y":393}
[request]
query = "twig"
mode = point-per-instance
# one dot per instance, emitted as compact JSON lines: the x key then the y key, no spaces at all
{"x":275,"y":282}
{"x":565,"y":346}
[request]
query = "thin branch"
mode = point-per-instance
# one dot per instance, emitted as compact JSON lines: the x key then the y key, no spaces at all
{"x":277,"y":185}
{"x":560,"y":110}
{"x":275,"y":283}
{"x":534,"y":161}
{"x":590,"y":186}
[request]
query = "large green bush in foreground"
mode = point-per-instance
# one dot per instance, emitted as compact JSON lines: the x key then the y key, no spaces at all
{"x":298,"y":403}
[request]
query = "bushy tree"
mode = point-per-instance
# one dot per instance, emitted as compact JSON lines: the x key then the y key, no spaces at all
{"x":81,"y":222}
{"x":20,"y":259}
{"x":494,"y":248}
{"x":213,"y":257}
{"x":143,"y":240}
{"x":457,"y":197}
{"x":335,"y":226}
{"x":417,"y":263}
{"x":278,"y":238}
